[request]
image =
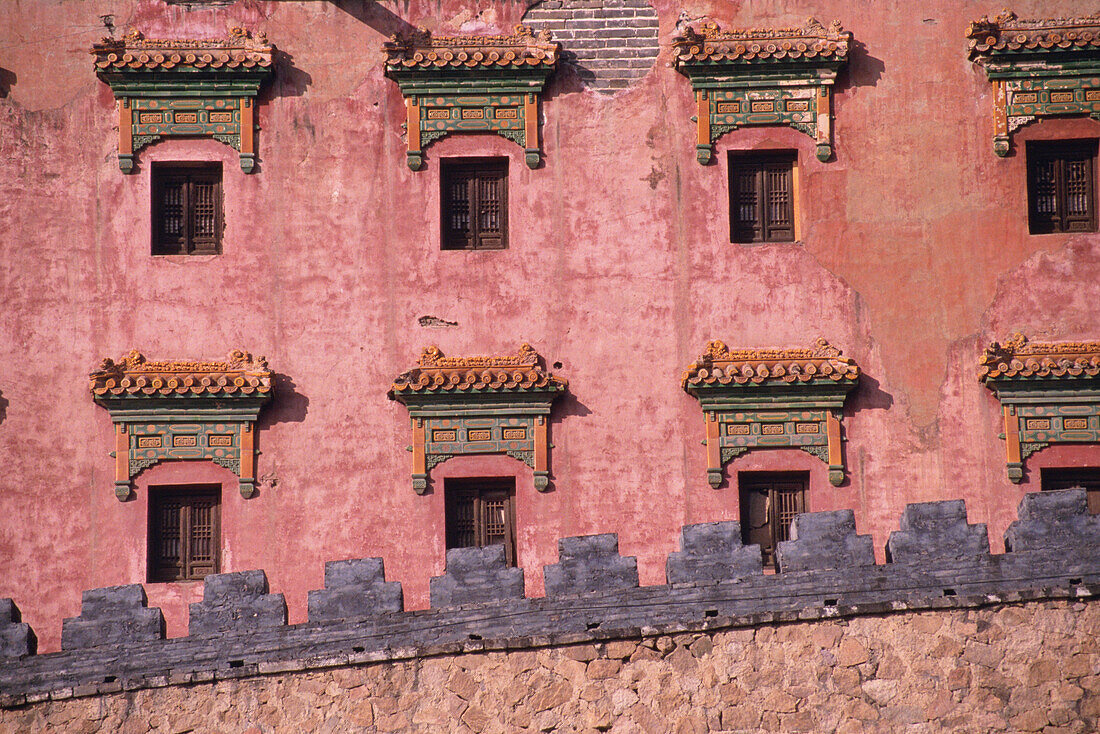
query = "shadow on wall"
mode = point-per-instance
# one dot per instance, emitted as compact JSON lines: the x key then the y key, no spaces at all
{"x":3,"y":407}
{"x":373,"y":14}
{"x":290,"y":81}
{"x":289,"y":405}
{"x":7,"y":81}
{"x":870,"y":396}
{"x":864,"y":70}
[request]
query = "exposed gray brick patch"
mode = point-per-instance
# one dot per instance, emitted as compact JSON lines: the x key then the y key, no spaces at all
{"x":712,"y":551}
{"x":825,"y":540}
{"x":236,"y":602}
{"x":598,"y":36}
{"x":590,"y":563}
{"x":1055,"y":522}
{"x":937,"y":530}
{"x":355,"y":588}
{"x":113,"y":615}
{"x":476,"y":575}
{"x":16,"y":637}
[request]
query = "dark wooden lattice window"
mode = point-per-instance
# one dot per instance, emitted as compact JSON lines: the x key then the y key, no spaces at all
{"x":1087,"y":478}
{"x":184,"y":532}
{"x":474,"y":203}
{"x":762,"y":197}
{"x":1061,"y":186}
{"x":769,"y":504}
{"x":187,"y":209}
{"x":481,"y":512}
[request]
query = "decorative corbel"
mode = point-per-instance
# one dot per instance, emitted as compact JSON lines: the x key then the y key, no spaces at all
{"x":464,"y":84}
{"x":1049,"y":394}
{"x":772,"y":398}
{"x":188,"y":410}
{"x":463,"y":406}
{"x":780,"y":76}
{"x":1039,"y":68}
{"x":185,"y":88}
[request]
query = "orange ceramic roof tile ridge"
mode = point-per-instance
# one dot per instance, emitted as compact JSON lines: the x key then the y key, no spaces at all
{"x":1007,"y":32}
{"x":748,"y":44}
{"x":1019,"y":357}
{"x":133,"y":51}
{"x":135,"y":375}
{"x":724,"y":366}
{"x":423,"y":49}
{"x":519,"y":371}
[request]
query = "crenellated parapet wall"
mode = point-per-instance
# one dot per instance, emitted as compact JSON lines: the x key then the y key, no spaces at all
{"x":827,"y":571}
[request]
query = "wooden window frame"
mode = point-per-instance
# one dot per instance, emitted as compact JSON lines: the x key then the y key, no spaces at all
{"x":1086,"y":477}
{"x":481,"y":490}
{"x":188,"y":568}
{"x":193,"y":173}
{"x":1060,"y":152}
{"x":796,"y":483}
{"x":763,"y":229}
{"x":472,"y":169}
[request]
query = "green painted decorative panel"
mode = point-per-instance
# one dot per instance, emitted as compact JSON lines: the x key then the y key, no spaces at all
{"x":753,"y":77}
{"x":471,"y":84}
{"x":1039,"y":68}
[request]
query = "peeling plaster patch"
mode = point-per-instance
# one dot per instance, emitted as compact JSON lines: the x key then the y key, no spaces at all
{"x":434,"y":322}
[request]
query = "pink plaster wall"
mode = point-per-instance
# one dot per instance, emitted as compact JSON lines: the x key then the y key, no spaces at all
{"x":914,"y":255}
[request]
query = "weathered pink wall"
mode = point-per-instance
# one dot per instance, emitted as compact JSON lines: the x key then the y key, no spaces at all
{"x":914,"y":255}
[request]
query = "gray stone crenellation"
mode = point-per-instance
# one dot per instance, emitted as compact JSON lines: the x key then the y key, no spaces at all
{"x":827,"y":570}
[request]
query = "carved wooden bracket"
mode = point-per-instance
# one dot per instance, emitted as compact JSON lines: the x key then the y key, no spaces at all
{"x":185,"y":88}
{"x":781,"y":76}
{"x":1049,"y":393}
{"x":478,"y":405}
{"x":183,"y":410}
{"x":466,"y":84}
{"x":1039,"y":68}
{"x":772,"y":398}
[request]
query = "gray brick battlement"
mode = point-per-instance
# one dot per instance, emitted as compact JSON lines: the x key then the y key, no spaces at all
{"x":715,"y":582}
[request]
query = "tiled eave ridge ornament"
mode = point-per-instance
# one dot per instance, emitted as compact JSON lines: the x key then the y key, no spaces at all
{"x":478,"y":405}
{"x":185,"y":88}
{"x":781,"y":76}
{"x":772,"y":399}
{"x":463,"y":84}
{"x":183,"y":410}
{"x":1039,"y":68}
{"x":1049,"y":393}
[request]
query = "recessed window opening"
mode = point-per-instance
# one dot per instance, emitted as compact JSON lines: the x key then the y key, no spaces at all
{"x":762,"y":196}
{"x":770,"y":501}
{"x":1061,"y":186}
{"x":481,"y":512}
{"x":1086,"y":478}
{"x":474,"y":203}
{"x":184,"y":532}
{"x":187,"y":208}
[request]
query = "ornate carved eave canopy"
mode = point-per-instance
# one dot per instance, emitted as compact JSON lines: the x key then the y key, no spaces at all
{"x":722,"y":367}
{"x":134,"y":376}
{"x":1039,"y":68}
{"x":1029,"y":362}
{"x":185,"y":88}
{"x":165,"y":410}
{"x":772,"y":398}
{"x":455,"y":84}
{"x":1049,"y":393}
{"x":780,"y":76}
{"x":478,"y":405}
{"x":436,"y":375}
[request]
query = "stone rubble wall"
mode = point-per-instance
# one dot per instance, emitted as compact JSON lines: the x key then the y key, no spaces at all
{"x":938,"y":562}
{"x":1010,"y":668}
